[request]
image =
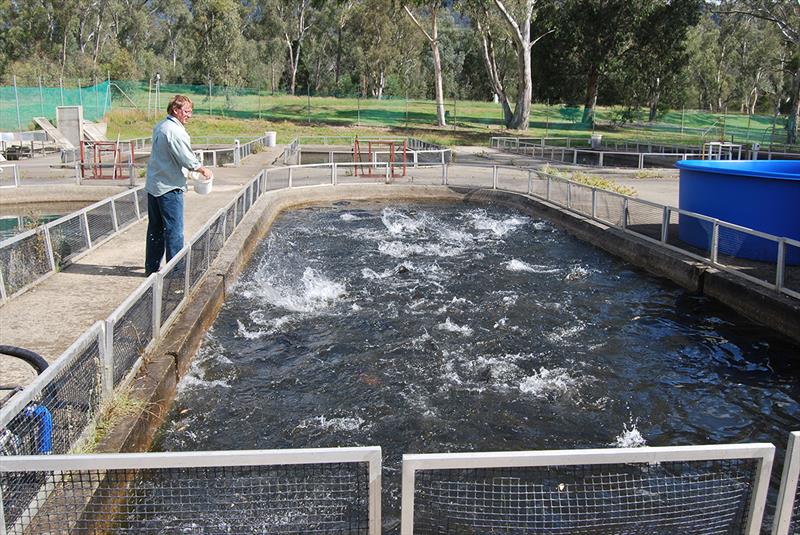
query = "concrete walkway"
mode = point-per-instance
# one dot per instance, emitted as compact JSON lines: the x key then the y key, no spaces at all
{"x":49,"y":317}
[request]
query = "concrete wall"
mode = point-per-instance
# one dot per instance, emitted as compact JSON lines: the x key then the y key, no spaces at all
{"x":69,"y":120}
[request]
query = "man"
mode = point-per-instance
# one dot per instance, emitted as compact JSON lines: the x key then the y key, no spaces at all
{"x":166,"y":182}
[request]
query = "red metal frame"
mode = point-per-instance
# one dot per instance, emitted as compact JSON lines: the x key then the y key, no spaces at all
{"x":394,"y":146}
{"x":100,"y":150}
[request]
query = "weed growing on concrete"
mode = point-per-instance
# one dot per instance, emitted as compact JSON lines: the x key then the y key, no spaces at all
{"x":112,"y":411}
{"x":590,"y":180}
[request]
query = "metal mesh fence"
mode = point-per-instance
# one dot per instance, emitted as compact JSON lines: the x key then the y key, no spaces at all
{"x":125,"y":207}
{"x":53,"y":419}
{"x":173,"y":286}
{"x":277,"y":179}
{"x":580,"y":199}
{"x":133,"y":332}
{"x":314,"y":498}
{"x":200,"y":258}
{"x":586,"y":157}
{"x":617,"y":159}
{"x":230,"y":220}
{"x":141,"y":198}
{"x":101,"y":222}
{"x":645,"y":218}
{"x":512,"y":179}
{"x":216,"y":237}
{"x":698,"y":497}
{"x":239,"y":209}
{"x":609,"y":207}
{"x":68,"y":238}
{"x":688,"y":228}
{"x":559,"y":191}
{"x":24,"y":260}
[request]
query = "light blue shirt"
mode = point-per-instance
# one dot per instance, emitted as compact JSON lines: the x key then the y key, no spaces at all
{"x":171,"y":154}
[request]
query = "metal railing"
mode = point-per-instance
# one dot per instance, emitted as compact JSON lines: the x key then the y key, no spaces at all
{"x":787,"y":514}
{"x":662,"y":224}
{"x":330,"y":490}
{"x":9,"y":176}
{"x":688,"y":489}
{"x":30,"y":257}
{"x":617,"y":153}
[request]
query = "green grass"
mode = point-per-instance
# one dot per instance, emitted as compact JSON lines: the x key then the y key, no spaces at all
{"x":469,"y":122}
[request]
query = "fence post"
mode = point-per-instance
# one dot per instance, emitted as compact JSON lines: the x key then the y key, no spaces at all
{"x":85,"y":225}
{"x":575,"y":157}
{"x":49,"y":246}
{"x":266,"y":180}
{"x":386,"y":179}
{"x":714,"y":242}
{"x":494,"y":177}
{"x":290,"y":176}
{"x":107,"y":374}
{"x":114,"y":215}
{"x":600,"y":163}
{"x":530,"y":181}
{"x":444,"y":175}
{"x":157,"y":299}
{"x":665,"y":225}
{"x":594,"y":203}
{"x":16,"y":176}
{"x":333,"y":174}
{"x":624,"y":213}
{"x":3,"y":297}
{"x":237,"y":153}
{"x":780,"y":267}
{"x":569,"y":195}
{"x":547,"y":192}
{"x":641,"y":161}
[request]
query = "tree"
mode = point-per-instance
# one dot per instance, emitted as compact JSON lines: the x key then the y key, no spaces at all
{"x":519,"y":25}
{"x":657,"y":52}
{"x":785,"y":15}
{"x":216,"y":30}
{"x":432,"y":7}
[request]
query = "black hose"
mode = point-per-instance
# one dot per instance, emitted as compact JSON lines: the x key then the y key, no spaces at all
{"x":34,"y":359}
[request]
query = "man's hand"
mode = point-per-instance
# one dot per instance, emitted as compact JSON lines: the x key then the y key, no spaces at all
{"x":206,"y":172}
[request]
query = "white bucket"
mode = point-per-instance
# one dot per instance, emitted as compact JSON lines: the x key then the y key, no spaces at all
{"x":270,"y":139}
{"x":201,"y":184}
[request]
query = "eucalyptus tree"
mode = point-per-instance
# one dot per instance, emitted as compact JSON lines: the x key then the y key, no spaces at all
{"x":492,"y":37}
{"x":431,"y":9}
{"x":216,"y":30}
{"x":519,"y":17}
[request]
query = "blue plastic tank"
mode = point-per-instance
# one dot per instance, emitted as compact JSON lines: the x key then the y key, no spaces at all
{"x":761,"y":195}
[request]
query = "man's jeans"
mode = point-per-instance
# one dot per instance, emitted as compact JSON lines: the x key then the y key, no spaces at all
{"x":164,"y":228}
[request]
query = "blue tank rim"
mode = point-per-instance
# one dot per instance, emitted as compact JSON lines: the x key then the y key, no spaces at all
{"x":778,"y":169}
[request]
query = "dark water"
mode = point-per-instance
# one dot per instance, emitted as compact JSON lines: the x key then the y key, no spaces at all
{"x":429,"y":328}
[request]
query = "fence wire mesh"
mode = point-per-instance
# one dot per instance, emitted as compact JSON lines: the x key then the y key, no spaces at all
{"x":125,"y":206}
{"x":24,"y":261}
{"x":688,"y":225}
{"x":101,"y":222}
{"x":55,"y":418}
{"x":239,"y":209}
{"x":141,"y":198}
{"x":580,"y":199}
{"x":698,"y":497}
{"x":68,"y":238}
{"x":216,"y":237}
{"x":133,"y":332}
{"x":173,"y":289}
{"x":230,"y":221}
{"x":200,"y":258}
{"x":316,"y":498}
{"x":559,"y":192}
{"x":645,"y":219}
